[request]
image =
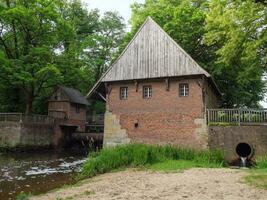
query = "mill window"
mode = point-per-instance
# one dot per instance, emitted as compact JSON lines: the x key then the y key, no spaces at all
{"x":123,"y":93}
{"x":183,"y":89}
{"x":147,"y":92}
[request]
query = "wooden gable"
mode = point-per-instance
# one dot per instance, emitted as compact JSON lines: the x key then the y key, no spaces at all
{"x":152,"y":53}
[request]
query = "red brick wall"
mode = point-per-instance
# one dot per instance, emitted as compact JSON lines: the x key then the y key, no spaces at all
{"x":166,"y":118}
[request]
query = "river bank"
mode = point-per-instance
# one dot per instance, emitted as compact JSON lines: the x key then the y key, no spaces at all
{"x":193,"y":184}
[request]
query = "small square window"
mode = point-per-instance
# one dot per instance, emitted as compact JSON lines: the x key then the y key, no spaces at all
{"x":123,"y":93}
{"x":183,"y":89}
{"x":147,"y":92}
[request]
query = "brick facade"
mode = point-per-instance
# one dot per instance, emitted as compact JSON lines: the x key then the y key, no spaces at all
{"x":165,"y":118}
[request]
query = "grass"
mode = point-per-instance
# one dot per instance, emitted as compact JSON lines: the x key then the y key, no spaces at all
{"x":258,"y":178}
{"x":177,"y":165}
{"x":23,"y":196}
{"x":141,"y":155}
{"x":258,"y":175}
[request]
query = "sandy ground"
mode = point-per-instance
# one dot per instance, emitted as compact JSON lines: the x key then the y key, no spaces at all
{"x":195,"y":184}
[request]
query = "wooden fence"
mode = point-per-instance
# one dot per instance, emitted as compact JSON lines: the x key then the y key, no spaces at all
{"x":23,"y":118}
{"x":237,"y":116}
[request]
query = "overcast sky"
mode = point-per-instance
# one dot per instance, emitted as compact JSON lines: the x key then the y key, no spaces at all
{"x":122,"y":6}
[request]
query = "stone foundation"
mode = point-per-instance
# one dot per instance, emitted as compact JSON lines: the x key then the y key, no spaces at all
{"x":113,"y":133}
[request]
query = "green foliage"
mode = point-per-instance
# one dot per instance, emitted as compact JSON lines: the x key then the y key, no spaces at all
{"x":174,"y":165}
{"x":228,"y":38}
{"x":258,"y":175}
{"x":223,"y":124}
{"x":45,"y":43}
{"x":23,"y":196}
{"x":261,"y":163}
{"x":138,"y":155}
{"x":238,"y":30}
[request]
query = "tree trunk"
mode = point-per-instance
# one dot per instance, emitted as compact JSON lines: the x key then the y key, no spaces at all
{"x":29,"y":101}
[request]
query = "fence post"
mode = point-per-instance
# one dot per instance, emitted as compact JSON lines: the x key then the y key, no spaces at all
{"x":20,"y":118}
{"x":208,"y":116}
{"x":239,"y":117}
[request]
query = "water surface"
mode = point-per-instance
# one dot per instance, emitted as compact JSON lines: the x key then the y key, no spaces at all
{"x":38,"y":171}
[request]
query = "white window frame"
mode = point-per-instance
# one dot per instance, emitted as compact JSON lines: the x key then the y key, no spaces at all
{"x":183,"y":89}
{"x":123,"y":93}
{"x":147,"y":91}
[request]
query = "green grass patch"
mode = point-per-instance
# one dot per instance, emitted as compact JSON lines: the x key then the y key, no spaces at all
{"x":258,"y":175}
{"x":223,"y":124}
{"x":23,"y":196}
{"x":141,"y":155}
{"x":172,"y":165}
{"x":176,"y":165}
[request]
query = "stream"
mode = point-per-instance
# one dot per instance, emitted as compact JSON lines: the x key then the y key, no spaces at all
{"x":38,"y":171}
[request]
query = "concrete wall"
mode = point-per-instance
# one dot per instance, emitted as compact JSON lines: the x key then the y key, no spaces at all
{"x":10,"y":134}
{"x":166,"y":118}
{"x":228,"y":137}
{"x":15,"y":134}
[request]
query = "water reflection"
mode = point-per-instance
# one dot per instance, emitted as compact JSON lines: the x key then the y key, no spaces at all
{"x":38,"y":171}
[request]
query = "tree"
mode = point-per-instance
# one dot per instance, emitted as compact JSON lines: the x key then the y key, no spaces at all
{"x":227,"y":38}
{"x":43,"y":44}
{"x":101,"y":47}
{"x":239,"y":30}
{"x":28,"y":37}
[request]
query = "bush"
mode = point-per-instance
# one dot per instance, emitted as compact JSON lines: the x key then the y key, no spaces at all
{"x":262,"y":162}
{"x":138,"y":155}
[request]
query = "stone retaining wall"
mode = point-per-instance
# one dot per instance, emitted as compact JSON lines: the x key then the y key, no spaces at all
{"x":227,"y":138}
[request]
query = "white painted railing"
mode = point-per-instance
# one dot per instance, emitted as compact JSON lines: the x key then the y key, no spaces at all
{"x":236,"y":116}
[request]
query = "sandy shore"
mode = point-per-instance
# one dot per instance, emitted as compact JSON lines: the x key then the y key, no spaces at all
{"x":195,"y":184}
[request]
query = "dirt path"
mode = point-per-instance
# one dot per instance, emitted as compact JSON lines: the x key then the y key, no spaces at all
{"x":193,"y":184}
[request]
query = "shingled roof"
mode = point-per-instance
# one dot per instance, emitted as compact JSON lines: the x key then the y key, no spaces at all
{"x":74,"y":95}
{"x":152,"y":53}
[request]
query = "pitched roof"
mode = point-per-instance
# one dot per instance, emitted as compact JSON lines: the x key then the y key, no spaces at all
{"x":152,"y":53}
{"x":74,"y":95}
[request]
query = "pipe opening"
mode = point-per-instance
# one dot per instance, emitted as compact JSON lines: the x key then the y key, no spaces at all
{"x":243,"y":150}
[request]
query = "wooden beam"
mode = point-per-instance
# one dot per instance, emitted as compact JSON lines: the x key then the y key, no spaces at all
{"x":102,"y":96}
{"x":167,"y":82}
{"x":136,"y":85}
{"x":106,"y":88}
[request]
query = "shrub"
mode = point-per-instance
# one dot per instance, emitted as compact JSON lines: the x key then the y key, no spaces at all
{"x":136,"y":155}
{"x":262,"y":162}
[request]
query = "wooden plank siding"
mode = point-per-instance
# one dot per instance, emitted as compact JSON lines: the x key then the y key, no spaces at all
{"x":152,"y":53}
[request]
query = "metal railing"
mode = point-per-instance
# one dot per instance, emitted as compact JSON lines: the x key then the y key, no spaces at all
{"x":23,"y":118}
{"x":95,"y":123}
{"x":236,"y":116}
